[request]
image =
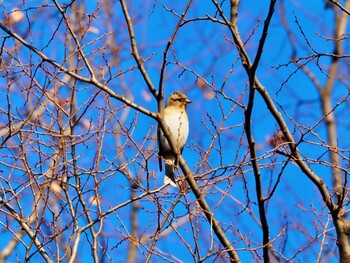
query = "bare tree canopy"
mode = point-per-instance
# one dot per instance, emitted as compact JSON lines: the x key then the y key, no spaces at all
{"x":263,"y":176}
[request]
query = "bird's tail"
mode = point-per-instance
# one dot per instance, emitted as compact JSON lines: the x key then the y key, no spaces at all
{"x":169,"y":177}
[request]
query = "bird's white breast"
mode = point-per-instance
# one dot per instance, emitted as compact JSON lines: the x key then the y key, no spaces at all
{"x":178,"y":124}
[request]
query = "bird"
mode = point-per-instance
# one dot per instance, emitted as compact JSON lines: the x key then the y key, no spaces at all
{"x":176,"y":119}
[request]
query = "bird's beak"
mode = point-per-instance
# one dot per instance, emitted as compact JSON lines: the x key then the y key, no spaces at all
{"x":188,"y":101}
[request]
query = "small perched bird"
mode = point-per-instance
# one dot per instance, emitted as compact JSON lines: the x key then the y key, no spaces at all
{"x":176,"y":118}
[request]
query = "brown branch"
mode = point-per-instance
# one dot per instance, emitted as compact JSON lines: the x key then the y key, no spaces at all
{"x":92,"y":80}
{"x":334,"y":209}
{"x":160,"y":95}
{"x":208,"y":213}
{"x":200,"y":198}
{"x":165,"y":53}
{"x":75,"y":38}
{"x":135,"y":52}
{"x":344,"y":9}
{"x":318,"y":182}
{"x":28,"y":230}
{"x":263,"y":37}
{"x":341,"y":20}
{"x":194,"y":186}
{"x":251,"y":69}
{"x":156,"y":236}
{"x":132,"y":249}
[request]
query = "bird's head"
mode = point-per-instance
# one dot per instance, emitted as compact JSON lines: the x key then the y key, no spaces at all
{"x":178,"y":99}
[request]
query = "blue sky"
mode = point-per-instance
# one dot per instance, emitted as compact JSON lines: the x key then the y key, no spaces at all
{"x":205,"y":48}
